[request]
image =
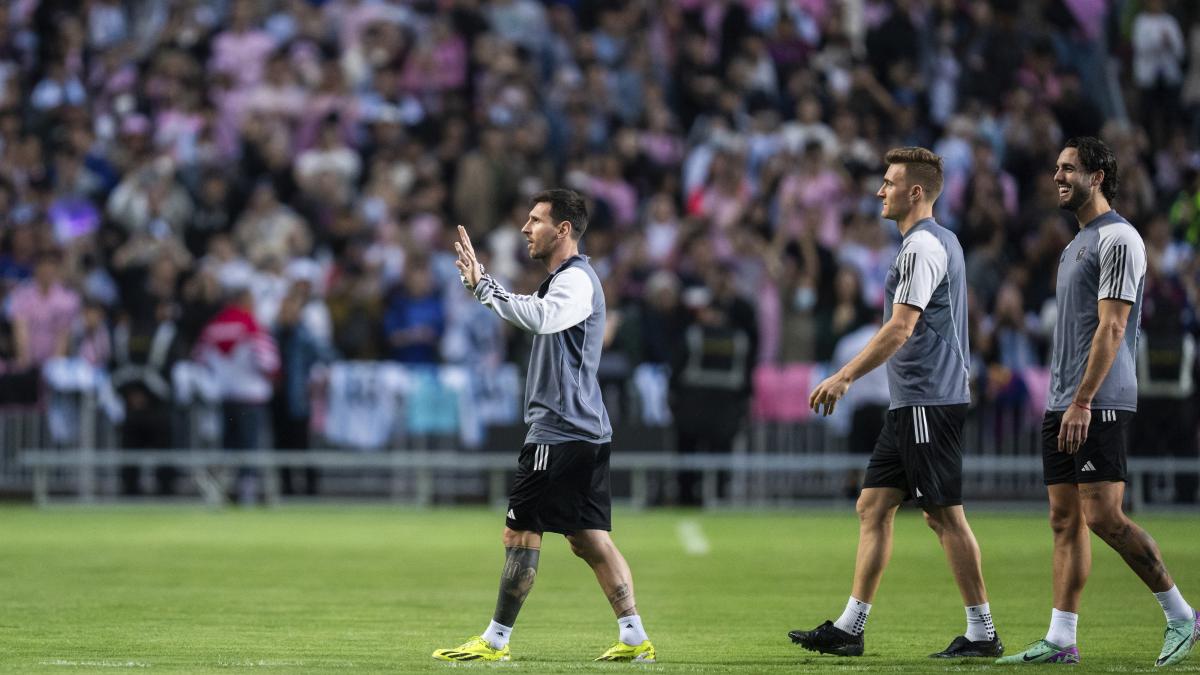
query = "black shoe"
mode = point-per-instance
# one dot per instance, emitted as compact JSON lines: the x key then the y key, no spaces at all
{"x":828,"y":639}
{"x":961,"y":647}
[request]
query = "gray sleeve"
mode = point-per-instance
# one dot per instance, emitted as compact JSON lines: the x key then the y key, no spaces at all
{"x":922,"y":266}
{"x":1122,"y":263}
{"x":568,"y":301}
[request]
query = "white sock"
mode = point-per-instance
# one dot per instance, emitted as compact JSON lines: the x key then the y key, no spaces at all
{"x":1062,"y":628}
{"x":631,"y":629}
{"x":979,"y":623}
{"x":854,"y":618}
{"x":497,"y":634}
{"x":1174,"y":606}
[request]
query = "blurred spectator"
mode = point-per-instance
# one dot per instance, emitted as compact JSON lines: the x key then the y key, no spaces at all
{"x":356,"y":308}
{"x":711,"y":374}
{"x":41,"y":312}
{"x":1014,"y":331}
{"x":299,"y":351}
{"x":145,"y":349}
{"x":843,"y":316}
{"x":270,"y":230}
{"x":244,"y":359}
{"x":90,"y":338}
{"x":415,"y":318}
{"x":1158,"y":51}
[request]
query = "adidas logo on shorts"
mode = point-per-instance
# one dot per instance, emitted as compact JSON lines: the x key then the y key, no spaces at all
{"x":512,"y":515}
{"x":1088,"y":466}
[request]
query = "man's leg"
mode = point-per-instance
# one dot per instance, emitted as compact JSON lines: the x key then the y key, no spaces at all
{"x":596,"y":548}
{"x":962,"y":553}
{"x":521,"y":551}
{"x":1101,"y":503}
{"x":876,"y":514}
{"x":1072,"y":551}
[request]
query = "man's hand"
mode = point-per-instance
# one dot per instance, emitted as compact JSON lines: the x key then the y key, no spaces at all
{"x":1074,"y":429}
{"x":467,"y":265}
{"x":828,"y":392}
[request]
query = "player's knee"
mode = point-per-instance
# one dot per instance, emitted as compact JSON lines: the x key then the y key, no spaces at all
{"x":1065,"y":520}
{"x":583,"y":549}
{"x":513,"y":538}
{"x":1103,"y":521}
{"x":509,"y":538}
{"x":935,"y":522}
{"x":871,"y":511}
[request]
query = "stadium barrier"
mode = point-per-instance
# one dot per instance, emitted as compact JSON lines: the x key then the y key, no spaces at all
{"x":423,"y":452}
{"x":213,"y":471}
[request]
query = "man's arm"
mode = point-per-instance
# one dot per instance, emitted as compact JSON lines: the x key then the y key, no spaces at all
{"x":890,"y":338}
{"x":568,"y":301}
{"x":920,"y":267}
{"x":1114,"y":316}
{"x":1106,"y":342}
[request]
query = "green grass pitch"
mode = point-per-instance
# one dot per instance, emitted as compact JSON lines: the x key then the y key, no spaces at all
{"x":374,"y":589}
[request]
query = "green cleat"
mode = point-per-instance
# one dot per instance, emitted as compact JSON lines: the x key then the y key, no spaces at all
{"x":1179,"y":640}
{"x":1043,"y":652}
{"x":643,"y":653}
{"x":475,"y":649}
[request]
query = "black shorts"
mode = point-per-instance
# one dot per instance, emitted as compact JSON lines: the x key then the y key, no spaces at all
{"x":561,"y":488}
{"x":1102,"y":456}
{"x":919,"y":451}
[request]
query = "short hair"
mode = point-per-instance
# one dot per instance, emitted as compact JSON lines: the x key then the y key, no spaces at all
{"x":1095,"y":155}
{"x":921,"y":167}
{"x":565,"y":205}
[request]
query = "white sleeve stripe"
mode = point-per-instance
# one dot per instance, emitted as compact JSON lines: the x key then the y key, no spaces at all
{"x":1119,"y":276}
{"x":912,"y":272}
{"x":1113,"y":280}
{"x":906,"y":269}
{"x":1106,"y":270}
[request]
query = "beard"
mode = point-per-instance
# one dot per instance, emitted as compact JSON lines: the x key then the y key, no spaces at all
{"x":1078,"y":197}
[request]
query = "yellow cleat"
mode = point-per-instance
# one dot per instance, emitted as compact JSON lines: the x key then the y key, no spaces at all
{"x":478,"y":649}
{"x":643,"y":653}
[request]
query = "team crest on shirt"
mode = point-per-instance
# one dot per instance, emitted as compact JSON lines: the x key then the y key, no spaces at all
{"x":1079,"y":256}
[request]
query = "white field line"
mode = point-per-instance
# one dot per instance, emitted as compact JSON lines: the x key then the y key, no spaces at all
{"x":692,"y":537}
{"x":95,"y":664}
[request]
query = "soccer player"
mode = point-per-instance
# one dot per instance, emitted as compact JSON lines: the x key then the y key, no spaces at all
{"x":918,"y":453}
{"x":1093,"y":396}
{"x":562,"y":475}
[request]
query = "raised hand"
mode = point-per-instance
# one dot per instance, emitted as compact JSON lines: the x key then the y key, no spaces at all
{"x":468,"y":265}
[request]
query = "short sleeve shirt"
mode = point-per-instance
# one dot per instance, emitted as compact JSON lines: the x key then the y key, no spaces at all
{"x":1105,"y":261}
{"x":932,"y":367}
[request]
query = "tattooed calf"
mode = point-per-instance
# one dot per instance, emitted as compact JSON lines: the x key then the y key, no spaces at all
{"x":520,"y":568}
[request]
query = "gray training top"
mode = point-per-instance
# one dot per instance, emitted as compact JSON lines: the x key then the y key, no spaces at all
{"x":1106,"y":260}
{"x":932,"y":367}
{"x":566,"y":315}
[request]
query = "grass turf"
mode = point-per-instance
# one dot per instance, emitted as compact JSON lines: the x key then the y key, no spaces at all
{"x":377,"y":589}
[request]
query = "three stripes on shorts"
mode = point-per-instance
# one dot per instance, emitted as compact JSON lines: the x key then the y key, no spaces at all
{"x":541,"y":457}
{"x":920,"y":424}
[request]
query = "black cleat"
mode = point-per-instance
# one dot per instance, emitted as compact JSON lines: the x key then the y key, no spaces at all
{"x":961,"y":647}
{"x":828,"y":639}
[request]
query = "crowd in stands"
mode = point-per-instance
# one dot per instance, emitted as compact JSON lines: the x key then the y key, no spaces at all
{"x":187,"y":178}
